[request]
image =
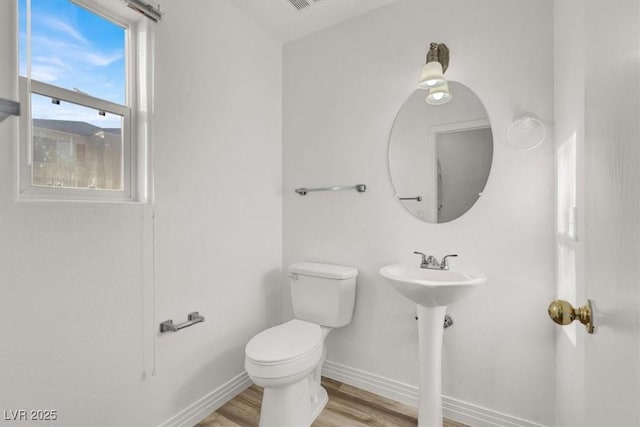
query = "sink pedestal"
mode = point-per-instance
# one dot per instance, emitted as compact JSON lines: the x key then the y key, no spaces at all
{"x":432,"y":290}
{"x":430,"y":332}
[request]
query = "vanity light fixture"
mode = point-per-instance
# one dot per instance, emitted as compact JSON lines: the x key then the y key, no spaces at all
{"x":437,"y":64}
{"x":432,"y":77}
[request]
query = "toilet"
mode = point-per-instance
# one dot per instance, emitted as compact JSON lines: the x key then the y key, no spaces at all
{"x":286,"y":360}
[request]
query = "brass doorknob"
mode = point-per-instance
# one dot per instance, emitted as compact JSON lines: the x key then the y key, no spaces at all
{"x":563,"y":313}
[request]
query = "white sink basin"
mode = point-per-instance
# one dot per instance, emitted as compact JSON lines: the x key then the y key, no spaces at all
{"x":432,"y":288}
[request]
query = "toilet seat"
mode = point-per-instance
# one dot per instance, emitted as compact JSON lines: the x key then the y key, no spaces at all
{"x":284,"y":350}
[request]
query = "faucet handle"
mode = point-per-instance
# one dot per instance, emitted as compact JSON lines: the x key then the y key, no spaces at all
{"x":424,"y":258}
{"x":445,"y":261}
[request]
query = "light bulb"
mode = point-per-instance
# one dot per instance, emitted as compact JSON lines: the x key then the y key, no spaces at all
{"x":439,"y":95}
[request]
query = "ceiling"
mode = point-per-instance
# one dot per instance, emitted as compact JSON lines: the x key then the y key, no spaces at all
{"x":285,"y":22}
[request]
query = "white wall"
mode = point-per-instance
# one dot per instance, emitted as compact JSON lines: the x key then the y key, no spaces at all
{"x":76,"y":301}
{"x":218,"y":183}
{"x":342,"y":89}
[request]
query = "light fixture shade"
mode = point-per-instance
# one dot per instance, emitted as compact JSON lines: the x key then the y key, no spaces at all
{"x":432,"y":75}
{"x":439,"y":95}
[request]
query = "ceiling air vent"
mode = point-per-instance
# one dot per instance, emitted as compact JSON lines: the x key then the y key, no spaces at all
{"x":301,"y":4}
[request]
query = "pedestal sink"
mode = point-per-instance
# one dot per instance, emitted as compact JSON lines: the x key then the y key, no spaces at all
{"x":432,"y":290}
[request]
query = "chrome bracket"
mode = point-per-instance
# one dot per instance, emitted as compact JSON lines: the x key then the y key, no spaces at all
{"x":448,"y":321}
{"x":439,"y":52}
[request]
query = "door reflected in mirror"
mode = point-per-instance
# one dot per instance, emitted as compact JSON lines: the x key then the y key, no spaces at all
{"x":440,"y":155}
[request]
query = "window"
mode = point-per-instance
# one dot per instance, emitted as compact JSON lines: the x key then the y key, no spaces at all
{"x":77,"y":136}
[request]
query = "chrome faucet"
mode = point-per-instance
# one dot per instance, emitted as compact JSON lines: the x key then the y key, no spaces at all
{"x":432,"y":263}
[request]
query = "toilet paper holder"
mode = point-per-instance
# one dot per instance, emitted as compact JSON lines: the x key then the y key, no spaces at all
{"x":192,"y":319}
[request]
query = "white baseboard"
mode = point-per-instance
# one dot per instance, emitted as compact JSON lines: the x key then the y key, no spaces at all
{"x":477,"y":416}
{"x":376,"y":384}
{"x":199,"y":410}
{"x":453,"y":409}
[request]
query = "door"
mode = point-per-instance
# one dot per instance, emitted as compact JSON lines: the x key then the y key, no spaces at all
{"x":597,"y":136}
{"x":463,"y":161}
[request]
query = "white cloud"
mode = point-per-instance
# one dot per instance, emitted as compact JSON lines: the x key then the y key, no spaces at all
{"x":63,"y":27}
{"x":52,"y":61}
{"x":53,"y":47}
{"x":46,"y":73}
{"x":73,"y":53}
{"x":103,"y":59}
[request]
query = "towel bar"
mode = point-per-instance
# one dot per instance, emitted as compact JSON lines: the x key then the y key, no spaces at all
{"x":169,"y":326}
{"x":360,"y":188}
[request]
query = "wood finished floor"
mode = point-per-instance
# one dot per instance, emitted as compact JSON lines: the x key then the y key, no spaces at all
{"x":348,"y":407}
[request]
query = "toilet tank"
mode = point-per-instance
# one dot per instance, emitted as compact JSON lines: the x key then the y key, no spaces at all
{"x":323,"y":293}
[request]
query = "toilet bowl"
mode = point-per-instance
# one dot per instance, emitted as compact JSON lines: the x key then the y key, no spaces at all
{"x":286,"y":360}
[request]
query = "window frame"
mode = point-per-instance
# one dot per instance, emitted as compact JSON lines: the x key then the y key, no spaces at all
{"x":133,"y":167}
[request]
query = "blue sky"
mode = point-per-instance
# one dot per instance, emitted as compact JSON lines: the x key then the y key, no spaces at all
{"x":74,"y":49}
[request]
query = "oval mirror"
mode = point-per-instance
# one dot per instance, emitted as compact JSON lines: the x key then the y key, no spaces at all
{"x":440,"y":155}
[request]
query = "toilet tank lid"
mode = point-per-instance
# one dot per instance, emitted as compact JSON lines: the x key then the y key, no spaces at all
{"x":328,"y":271}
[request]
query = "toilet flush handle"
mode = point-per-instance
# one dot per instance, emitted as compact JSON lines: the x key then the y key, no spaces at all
{"x":293,"y":276}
